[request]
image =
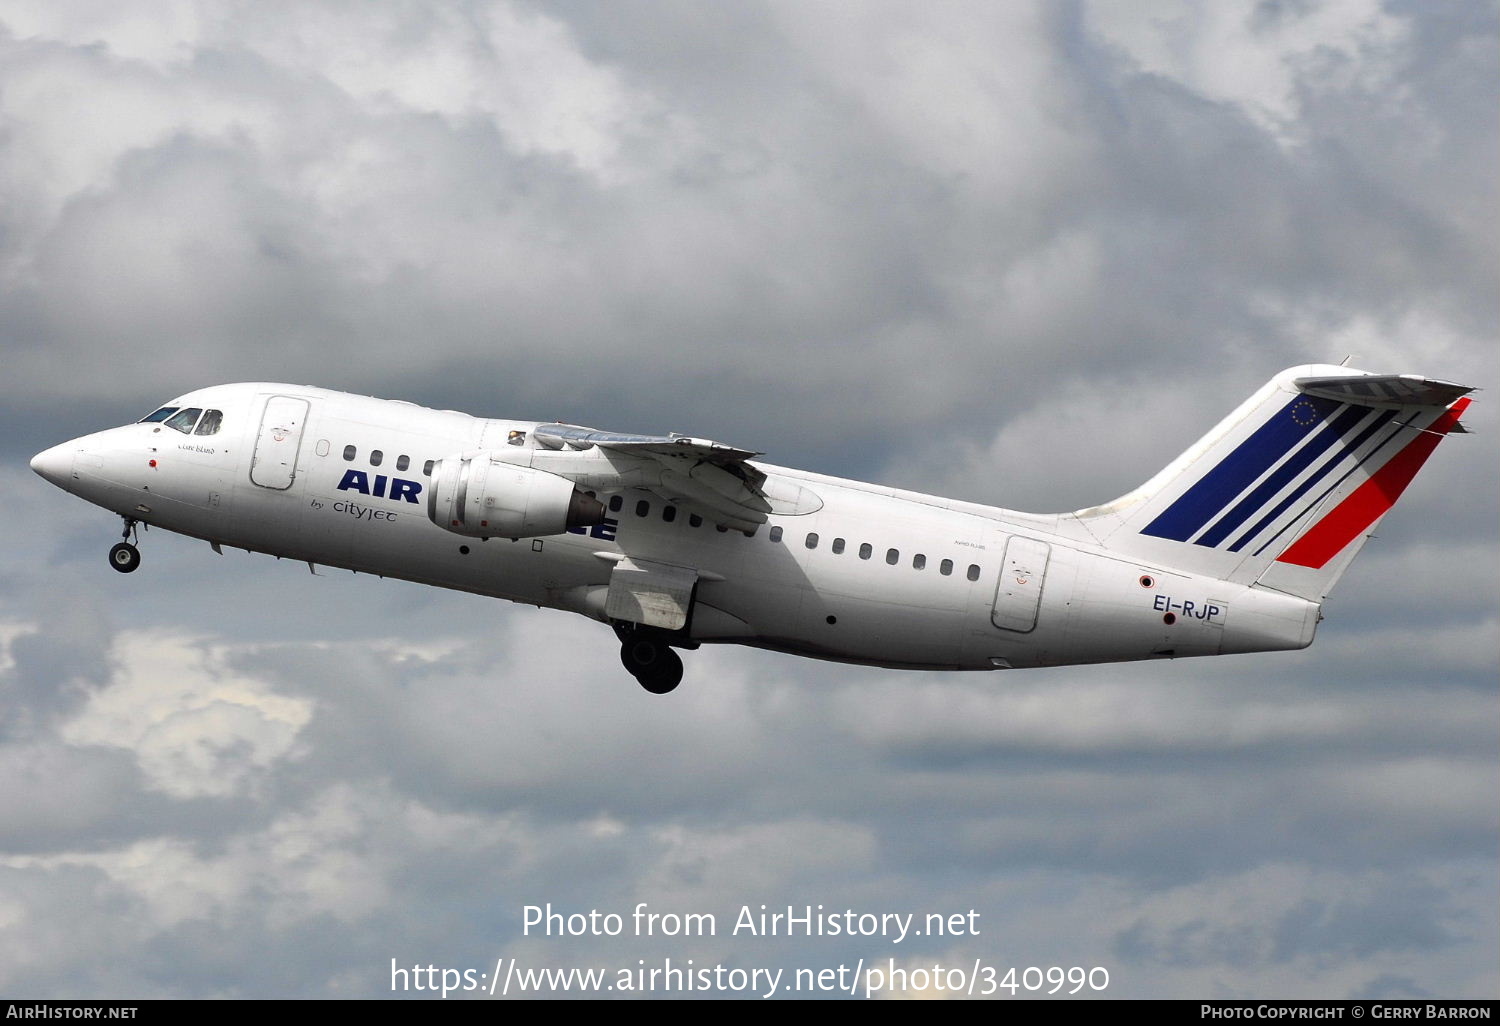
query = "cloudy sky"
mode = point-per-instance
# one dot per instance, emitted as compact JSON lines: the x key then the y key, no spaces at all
{"x":1014,"y":253}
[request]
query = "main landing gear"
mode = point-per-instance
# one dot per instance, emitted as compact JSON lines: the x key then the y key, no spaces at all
{"x":649,"y":658}
{"x":125,"y":557}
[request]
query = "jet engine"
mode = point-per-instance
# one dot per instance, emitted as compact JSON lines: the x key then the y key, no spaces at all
{"x":485,"y":498}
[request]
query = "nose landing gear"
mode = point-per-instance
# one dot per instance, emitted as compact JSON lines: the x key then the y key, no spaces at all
{"x":125,"y":557}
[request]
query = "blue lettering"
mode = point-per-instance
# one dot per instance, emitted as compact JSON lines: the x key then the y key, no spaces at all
{"x":604,"y":530}
{"x":1187,"y":610}
{"x":400,"y":489}
{"x":1160,"y":602}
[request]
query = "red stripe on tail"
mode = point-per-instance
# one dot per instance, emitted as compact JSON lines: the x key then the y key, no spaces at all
{"x":1371,"y":500}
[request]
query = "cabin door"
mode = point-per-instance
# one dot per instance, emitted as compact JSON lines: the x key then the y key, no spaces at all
{"x":1019,"y":593}
{"x":274,"y":464}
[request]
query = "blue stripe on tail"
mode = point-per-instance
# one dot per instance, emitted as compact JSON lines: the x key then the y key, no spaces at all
{"x":1283,"y":475}
{"x":1214,"y":491}
{"x":1364,"y":436}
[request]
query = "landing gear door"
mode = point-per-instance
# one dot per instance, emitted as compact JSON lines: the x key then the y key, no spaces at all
{"x":1019,"y":592}
{"x":274,"y":464}
{"x":650,"y":594}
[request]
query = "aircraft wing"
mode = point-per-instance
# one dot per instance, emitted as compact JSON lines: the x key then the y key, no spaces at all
{"x":709,"y":478}
{"x":555,"y":436}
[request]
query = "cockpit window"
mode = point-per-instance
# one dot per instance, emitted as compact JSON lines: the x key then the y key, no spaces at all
{"x":160,"y":415}
{"x":209,"y":425}
{"x":184,"y":420}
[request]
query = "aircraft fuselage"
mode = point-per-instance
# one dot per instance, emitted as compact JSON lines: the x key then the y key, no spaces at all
{"x":857,"y":573}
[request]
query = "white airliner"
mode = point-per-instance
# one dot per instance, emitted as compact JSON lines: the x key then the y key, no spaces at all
{"x":675,"y":541}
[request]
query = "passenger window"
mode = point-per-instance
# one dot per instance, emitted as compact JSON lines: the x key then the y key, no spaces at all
{"x":750,"y":533}
{"x":694,"y":520}
{"x":919,"y":562}
{"x":812,"y":541}
{"x":721,"y":529}
{"x":427,"y":468}
{"x":838,"y":546}
{"x":185,"y":420}
{"x":616,"y":502}
{"x":776,"y":534}
{"x":375,"y":457}
{"x":945,"y":567}
{"x":866,"y":550}
{"x":642,"y":508}
{"x":209,"y":425}
{"x":892,"y":556}
{"x":159,"y":416}
{"x":973,"y":571}
{"x":402,"y":462}
{"x":669,"y":513}
{"x":349,"y":454}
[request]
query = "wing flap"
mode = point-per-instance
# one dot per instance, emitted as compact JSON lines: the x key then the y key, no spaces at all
{"x":649,"y":593}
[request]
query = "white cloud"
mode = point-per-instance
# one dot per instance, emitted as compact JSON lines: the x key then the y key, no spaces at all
{"x":986,"y":123}
{"x":194,"y":727}
{"x":507,"y":65}
{"x":1261,"y":57}
{"x":163,"y":32}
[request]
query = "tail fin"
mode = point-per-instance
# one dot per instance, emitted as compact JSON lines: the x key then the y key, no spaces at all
{"x":1287,"y":488}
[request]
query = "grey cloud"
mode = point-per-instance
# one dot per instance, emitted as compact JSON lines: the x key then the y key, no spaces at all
{"x":55,"y":667}
{"x":1375,"y":916}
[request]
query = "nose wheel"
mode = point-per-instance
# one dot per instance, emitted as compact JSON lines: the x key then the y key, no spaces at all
{"x":124,"y":556}
{"x":652,"y":662}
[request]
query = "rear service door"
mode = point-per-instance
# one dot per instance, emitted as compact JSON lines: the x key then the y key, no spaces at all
{"x":1020,"y":589}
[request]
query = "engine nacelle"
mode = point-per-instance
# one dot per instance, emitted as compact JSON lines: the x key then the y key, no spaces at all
{"x":484,"y":498}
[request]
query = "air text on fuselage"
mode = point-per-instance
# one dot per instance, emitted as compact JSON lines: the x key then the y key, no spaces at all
{"x":382,"y":487}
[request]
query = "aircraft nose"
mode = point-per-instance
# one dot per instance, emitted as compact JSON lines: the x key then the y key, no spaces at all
{"x":54,"y":464}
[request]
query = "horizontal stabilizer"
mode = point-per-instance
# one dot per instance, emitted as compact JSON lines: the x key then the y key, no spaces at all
{"x":1384,"y":391}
